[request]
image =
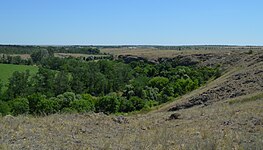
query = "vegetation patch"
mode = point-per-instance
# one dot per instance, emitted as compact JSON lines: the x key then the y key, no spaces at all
{"x":106,"y":85}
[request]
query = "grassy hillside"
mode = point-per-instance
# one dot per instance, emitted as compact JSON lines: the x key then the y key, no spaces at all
{"x":224,"y":114}
{"x":8,"y":69}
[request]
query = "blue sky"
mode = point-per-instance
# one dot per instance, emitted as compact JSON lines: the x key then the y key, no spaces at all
{"x":117,"y":22}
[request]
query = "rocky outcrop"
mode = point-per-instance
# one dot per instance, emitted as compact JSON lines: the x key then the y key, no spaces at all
{"x":247,"y":80}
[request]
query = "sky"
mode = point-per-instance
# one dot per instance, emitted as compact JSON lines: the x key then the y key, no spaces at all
{"x":131,"y":22}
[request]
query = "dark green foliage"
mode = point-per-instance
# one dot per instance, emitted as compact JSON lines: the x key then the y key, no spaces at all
{"x":82,"y":105}
{"x":137,"y":103}
{"x":61,"y":83}
{"x":17,"y":49}
{"x":158,"y":82}
{"x":250,"y":52}
{"x":19,"y":106}
{"x":113,"y":86}
{"x":66,"y":98}
{"x":39,"y":55}
{"x":168,"y":90}
{"x":1,"y":87}
{"x":126,"y":105}
{"x":151,"y":93}
{"x":150,"y":104}
{"x":18,"y":85}
{"x":108,"y":104}
{"x":4,"y":108}
{"x":33,"y":102}
{"x":47,"y":106}
{"x":44,"y":81}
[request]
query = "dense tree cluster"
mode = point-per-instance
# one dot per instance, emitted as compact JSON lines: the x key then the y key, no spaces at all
{"x":109,"y":86}
{"x":7,"y":59}
{"x":18,"y":49}
{"x":9,"y":54}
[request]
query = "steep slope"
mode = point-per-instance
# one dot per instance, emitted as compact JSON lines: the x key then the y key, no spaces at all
{"x":244,"y":76}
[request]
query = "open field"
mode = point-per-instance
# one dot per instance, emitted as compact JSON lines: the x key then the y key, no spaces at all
{"x":63,"y":55}
{"x":8,"y":69}
{"x":152,"y":53}
{"x":226,"y":113}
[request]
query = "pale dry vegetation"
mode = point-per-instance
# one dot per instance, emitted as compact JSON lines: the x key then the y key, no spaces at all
{"x":223,"y":121}
{"x":217,"y":126}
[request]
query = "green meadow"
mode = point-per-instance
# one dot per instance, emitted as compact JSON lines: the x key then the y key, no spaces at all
{"x":6,"y":70}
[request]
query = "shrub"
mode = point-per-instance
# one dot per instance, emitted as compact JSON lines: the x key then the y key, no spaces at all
{"x":88,"y":97}
{"x":126,"y":106}
{"x":33,"y":102}
{"x":108,"y":104}
{"x":137,"y":103}
{"x":82,"y":105}
{"x":19,"y":106}
{"x":47,"y":106}
{"x":159,"y":82}
{"x":68,"y":110}
{"x":150,"y":104}
{"x":163,"y":98}
{"x":66,"y":98}
{"x":168,"y":90}
{"x":4,"y":108}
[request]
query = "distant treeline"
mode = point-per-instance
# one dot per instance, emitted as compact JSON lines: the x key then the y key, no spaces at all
{"x":18,"y":49}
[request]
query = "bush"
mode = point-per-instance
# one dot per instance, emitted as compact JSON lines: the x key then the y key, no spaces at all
{"x":150,"y":104}
{"x":66,"y":98}
{"x":33,"y":102}
{"x":137,"y":103}
{"x":126,"y":106}
{"x":250,"y":52}
{"x":19,"y":106}
{"x":47,"y":106}
{"x":108,"y":104}
{"x":4,"y":108}
{"x":68,"y":110}
{"x":159,"y":82}
{"x":88,"y":97}
{"x":82,"y":105}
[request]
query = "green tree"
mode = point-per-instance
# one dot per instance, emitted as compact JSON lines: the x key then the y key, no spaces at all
{"x":137,"y":102}
{"x":159,"y":82}
{"x":66,"y":98}
{"x":1,"y":87}
{"x":47,"y":106}
{"x":61,"y":83}
{"x":82,"y":105}
{"x":4,"y":108}
{"x":18,"y":85}
{"x":45,"y":82}
{"x":37,"y":56}
{"x":19,"y":106}
{"x":33,"y":100}
{"x":108,"y":104}
{"x":126,"y":105}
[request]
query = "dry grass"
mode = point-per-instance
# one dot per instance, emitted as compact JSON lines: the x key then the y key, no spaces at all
{"x":63,"y":55}
{"x":217,"y":126}
{"x":152,"y":53}
{"x":227,"y":124}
